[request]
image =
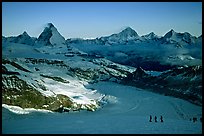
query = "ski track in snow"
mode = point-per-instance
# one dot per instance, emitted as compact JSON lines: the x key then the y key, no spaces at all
{"x":127,"y":111}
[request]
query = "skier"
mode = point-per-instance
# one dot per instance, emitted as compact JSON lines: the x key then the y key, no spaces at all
{"x":194,"y":119}
{"x":150,"y":120}
{"x":155,"y":119}
{"x":161,"y":118}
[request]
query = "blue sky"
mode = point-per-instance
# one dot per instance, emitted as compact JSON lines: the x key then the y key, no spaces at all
{"x":96,"y":19}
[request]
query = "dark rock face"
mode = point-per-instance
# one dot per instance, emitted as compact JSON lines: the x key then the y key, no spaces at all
{"x":139,"y":73}
{"x":45,"y":36}
{"x":185,"y":83}
{"x":17,"y":92}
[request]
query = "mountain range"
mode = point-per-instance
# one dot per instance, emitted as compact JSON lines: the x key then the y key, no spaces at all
{"x":50,"y":72}
{"x":130,"y":36}
{"x":128,"y":48}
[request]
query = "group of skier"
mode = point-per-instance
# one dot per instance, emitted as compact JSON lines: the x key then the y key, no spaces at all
{"x":155,"y":119}
{"x":195,"y":119}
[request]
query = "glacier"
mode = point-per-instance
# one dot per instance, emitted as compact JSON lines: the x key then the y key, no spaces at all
{"x":128,"y":115}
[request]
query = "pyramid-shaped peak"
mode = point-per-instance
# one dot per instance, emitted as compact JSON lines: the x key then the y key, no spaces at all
{"x":50,"y":36}
{"x":128,"y":29}
{"x":170,"y":33}
{"x":50,"y":25}
{"x":25,"y":33}
{"x":172,"y":30}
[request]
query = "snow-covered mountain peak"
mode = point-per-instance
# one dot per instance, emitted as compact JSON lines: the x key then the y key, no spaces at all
{"x":151,"y":35}
{"x":50,"y":36}
{"x":128,"y":32}
{"x":24,"y":35}
{"x":172,"y":30}
{"x":174,"y":37}
{"x":50,"y":25}
{"x":23,"y":38}
{"x":170,"y":34}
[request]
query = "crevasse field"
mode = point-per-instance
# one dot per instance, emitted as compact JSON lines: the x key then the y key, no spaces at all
{"x":126,"y":111}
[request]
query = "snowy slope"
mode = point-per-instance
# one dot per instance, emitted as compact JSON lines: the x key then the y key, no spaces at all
{"x":126,"y":113}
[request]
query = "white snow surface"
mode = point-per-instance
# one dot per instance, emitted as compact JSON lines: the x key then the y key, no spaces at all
{"x":127,"y":111}
{"x":19,"y":110}
{"x":154,"y":73}
{"x":74,"y":89}
{"x":56,"y":37}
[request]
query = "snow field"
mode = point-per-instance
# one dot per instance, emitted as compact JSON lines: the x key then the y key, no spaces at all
{"x":127,"y":112}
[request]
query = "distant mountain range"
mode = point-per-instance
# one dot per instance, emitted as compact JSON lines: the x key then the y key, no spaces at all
{"x":128,"y":48}
{"x":130,"y":36}
{"x":49,"y":72}
{"x":126,"y":36}
{"x":166,"y":51}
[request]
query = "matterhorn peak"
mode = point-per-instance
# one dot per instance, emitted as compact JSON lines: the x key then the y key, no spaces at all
{"x":50,"y":36}
{"x":172,"y":30}
{"x":50,"y":25}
